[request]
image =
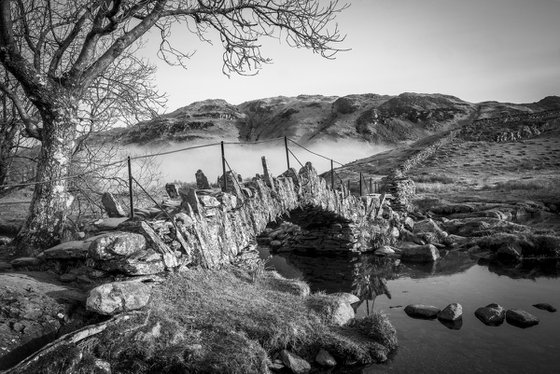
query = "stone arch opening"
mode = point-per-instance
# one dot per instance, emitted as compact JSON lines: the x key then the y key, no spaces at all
{"x":310,"y":230}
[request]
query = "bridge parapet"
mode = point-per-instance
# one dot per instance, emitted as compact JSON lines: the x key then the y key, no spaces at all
{"x":212,"y":228}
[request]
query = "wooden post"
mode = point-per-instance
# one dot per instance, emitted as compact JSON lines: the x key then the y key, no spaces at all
{"x":332,"y":175}
{"x":371,"y":185}
{"x":348,"y":187}
{"x":130,"y":189}
{"x":361,"y":187}
{"x":224,"y":176}
{"x":287,"y":152}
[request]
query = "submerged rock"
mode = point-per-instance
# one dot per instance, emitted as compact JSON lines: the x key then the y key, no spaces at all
{"x":421,"y":311}
{"x":451,"y":312}
{"x":295,"y":363}
{"x":521,"y":318}
{"x":545,"y":306}
{"x":491,"y":315}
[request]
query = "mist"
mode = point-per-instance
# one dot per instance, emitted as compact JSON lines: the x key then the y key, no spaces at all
{"x":245,"y":159}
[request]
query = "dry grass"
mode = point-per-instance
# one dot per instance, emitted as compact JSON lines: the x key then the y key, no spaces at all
{"x":204,"y":321}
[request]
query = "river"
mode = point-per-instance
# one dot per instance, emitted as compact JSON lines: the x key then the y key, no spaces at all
{"x":427,"y":346}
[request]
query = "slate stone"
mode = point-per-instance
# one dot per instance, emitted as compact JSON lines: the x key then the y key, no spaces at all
{"x":112,"y":206}
{"x":117,"y":297}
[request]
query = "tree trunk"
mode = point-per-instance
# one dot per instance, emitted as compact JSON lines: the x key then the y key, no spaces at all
{"x":51,"y":201}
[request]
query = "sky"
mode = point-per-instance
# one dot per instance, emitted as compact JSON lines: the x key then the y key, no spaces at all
{"x":477,"y":50}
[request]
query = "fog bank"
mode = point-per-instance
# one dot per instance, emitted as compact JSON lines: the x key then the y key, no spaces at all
{"x":246,"y":159}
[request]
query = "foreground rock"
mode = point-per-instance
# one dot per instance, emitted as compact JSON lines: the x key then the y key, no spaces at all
{"x":491,"y":315}
{"x":545,"y":306}
{"x":295,"y":363}
{"x":451,"y":312}
{"x":118,"y":297}
{"x":421,"y":311}
{"x":521,"y":318}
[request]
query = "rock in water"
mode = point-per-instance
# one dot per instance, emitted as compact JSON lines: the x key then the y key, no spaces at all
{"x":118,"y":297}
{"x":421,"y":311}
{"x":324,"y":358}
{"x":419,"y":253}
{"x":451,"y":312}
{"x":491,"y":315}
{"x":521,"y":318}
{"x":545,"y":306}
{"x":295,"y":363}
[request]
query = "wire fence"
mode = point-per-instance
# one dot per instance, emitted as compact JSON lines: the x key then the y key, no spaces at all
{"x":365,"y":184}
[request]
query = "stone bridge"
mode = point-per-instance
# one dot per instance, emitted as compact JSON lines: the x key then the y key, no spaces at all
{"x":209,"y":227}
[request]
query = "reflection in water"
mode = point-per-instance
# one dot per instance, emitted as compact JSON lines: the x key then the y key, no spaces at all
{"x":430,"y":346}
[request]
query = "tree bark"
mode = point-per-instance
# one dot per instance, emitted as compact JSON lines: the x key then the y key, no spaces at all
{"x":51,"y":201}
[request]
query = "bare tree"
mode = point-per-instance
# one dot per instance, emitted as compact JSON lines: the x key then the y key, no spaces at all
{"x":56,"y":49}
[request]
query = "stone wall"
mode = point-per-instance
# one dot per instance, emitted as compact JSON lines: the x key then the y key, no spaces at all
{"x":212,"y":228}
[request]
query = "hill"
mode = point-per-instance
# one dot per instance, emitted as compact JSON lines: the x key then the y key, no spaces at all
{"x":373,"y":118}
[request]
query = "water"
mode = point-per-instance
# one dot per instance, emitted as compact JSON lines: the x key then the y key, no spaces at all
{"x":429,"y":346}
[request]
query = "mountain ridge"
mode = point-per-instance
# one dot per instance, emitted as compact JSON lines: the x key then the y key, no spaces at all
{"x":373,"y":118}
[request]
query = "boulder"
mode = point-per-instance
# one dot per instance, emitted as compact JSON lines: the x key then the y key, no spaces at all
{"x":77,"y":249}
{"x":324,"y":358}
{"x":418,"y":253}
{"x":295,"y":363}
{"x":116,"y":245}
{"x":521,"y":318}
{"x":346,"y":297}
{"x":451,"y":312}
{"x":112,"y":206}
{"x":545,"y":306}
{"x":421,"y":311}
{"x":341,"y":313}
{"x":491,"y":315}
{"x":117,"y":297}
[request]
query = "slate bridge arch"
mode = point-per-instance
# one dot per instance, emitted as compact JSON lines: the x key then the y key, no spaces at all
{"x":215,"y":227}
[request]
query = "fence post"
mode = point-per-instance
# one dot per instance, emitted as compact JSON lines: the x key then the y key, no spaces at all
{"x":287,"y":151}
{"x":361,"y":187}
{"x":130,"y":189}
{"x":371,"y":185}
{"x":224,"y":186}
{"x":332,"y":175}
{"x":348,"y":187}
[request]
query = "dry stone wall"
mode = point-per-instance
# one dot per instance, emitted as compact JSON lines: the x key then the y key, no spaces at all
{"x":212,"y":228}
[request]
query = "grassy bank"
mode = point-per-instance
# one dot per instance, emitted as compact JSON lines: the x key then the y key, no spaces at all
{"x":226,"y":322}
